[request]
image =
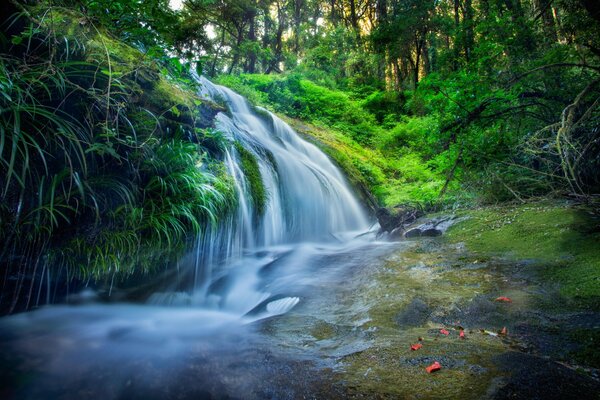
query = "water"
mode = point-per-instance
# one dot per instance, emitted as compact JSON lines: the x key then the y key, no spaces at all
{"x":256,"y":265}
{"x":308,"y":201}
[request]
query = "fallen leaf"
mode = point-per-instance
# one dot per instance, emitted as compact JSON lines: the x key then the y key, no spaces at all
{"x":504,"y":299}
{"x":416,"y":346}
{"x":444,"y":332}
{"x":504,"y":331}
{"x":436,"y":366}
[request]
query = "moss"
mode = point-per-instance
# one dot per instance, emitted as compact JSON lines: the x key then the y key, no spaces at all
{"x":441,"y":276}
{"x":173,"y":94}
{"x":323,"y":330}
{"x":561,"y":240}
{"x":253,"y":176}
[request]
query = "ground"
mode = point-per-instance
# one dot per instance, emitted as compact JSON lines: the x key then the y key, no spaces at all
{"x":542,"y":256}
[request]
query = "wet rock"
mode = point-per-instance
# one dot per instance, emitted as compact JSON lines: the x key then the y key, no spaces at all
{"x":396,"y":233}
{"x":398,"y":217}
{"x":447,"y":362}
{"x":431,"y":232}
{"x":411,"y":233}
{"x":538,"y":378}
{"x":415,"y":314}
{"x":480,"y":312}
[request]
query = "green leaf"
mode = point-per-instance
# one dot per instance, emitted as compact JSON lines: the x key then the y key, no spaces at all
{"x":17,"y":40}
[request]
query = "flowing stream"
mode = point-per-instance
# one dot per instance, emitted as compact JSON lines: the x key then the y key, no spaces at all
{"x":308,"y":203}
{"x":310,"y":234}
{"x":295,"y":297}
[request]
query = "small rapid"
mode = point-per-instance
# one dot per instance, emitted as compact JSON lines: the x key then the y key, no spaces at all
{"x":205,"y":335}
{"x":307,"y":201}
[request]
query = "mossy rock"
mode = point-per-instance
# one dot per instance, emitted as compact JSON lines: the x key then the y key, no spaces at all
{"x":253,"y":176}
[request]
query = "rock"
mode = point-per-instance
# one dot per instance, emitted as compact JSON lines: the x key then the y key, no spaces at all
{"x":480,"y":312}
{"x":411,"y":233}
{"x":414,"y":314}
{"x":398,"y":217}
{"x":396,"y":233}
{"x":533,"y":377}
{"x":431,"y":232}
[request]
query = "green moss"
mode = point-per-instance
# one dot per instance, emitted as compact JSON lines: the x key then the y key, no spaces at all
{"x":173,"y":94}
{"x":252,"y":173}
{"x":323,"y":330}
{"x":561,"y":240}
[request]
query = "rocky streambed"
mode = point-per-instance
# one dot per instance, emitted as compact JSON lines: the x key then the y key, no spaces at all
{"x":524,"y":337}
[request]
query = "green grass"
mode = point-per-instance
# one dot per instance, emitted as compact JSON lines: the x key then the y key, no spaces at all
{"x":376,"y":159}
{"x":564,"y":241}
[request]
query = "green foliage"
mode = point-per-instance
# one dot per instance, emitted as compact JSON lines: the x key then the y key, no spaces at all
{"x":301,"y":98}
{"x":251,"y":169}
{"x":398,"y":165}
{"x":104,"y":168}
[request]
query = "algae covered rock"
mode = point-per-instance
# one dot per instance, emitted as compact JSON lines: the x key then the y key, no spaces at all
{"x":416,"y":313}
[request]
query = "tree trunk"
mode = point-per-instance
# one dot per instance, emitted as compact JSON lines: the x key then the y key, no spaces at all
{"x":381,"y":10}
{"x":469,"y":42}
{"x":354,"y":20}
{"x":543,"y":10}
{"x":298,"y":4}
{"x":333,"y":16}
{"x":236,"y":52}
{"x":251,"y":61}
{"x":278,"y":42}
{"x":457,"y":34}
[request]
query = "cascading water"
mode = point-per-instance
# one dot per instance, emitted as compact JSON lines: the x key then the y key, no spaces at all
{"x":299,"y":248}
{"x":307,"y":200}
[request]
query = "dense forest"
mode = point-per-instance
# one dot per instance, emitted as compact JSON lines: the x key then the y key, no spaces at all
{"x":427,"y":104}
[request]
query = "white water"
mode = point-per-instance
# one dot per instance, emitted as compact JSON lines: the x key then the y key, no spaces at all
{"x":306,"y":243}
{"x":308,"y":201}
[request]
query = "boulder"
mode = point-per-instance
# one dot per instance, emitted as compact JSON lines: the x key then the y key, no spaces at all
{"x":415,"y":313}
{"x":411,"y":233}
{"x":397,"y":217}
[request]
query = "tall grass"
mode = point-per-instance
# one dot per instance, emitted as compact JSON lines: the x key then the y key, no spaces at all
{"x":91,"y":183}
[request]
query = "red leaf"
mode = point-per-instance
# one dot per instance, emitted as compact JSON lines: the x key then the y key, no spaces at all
{"x":461,"y":334}
{"x":416,"y":346}
{"x":504,"y":299}
{"x":444,"y":332}
{"x":436,"y":366}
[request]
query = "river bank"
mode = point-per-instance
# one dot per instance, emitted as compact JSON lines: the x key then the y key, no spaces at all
{"x":541,"y":344}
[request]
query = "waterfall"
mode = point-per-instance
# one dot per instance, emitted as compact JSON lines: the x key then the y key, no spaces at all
{"x":307,"y":201}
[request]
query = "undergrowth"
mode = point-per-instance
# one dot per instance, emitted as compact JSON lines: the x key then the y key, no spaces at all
{"x":105,"y":170}
{"x":385,"y":157}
